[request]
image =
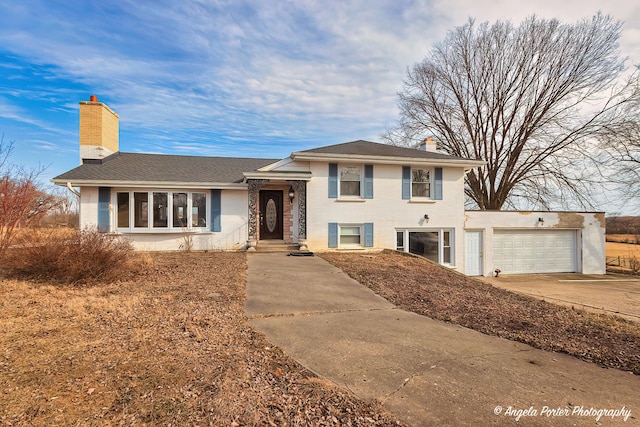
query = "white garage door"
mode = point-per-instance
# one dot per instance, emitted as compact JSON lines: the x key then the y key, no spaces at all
{"x":534,"y":251}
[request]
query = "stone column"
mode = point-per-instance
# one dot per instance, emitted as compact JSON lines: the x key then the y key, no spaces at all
{"x":254,"y":190}
{"x":300,"y":187}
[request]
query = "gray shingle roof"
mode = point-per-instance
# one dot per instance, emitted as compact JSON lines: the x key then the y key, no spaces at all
{"x":368,"y":148}
{"x":165,"y":168}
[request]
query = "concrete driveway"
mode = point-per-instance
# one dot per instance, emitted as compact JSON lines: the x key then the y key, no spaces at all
{"x":425,"y":371}
{"x":611,"y":293}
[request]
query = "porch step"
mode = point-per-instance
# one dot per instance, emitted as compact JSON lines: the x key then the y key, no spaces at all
{"x":276,"y":246}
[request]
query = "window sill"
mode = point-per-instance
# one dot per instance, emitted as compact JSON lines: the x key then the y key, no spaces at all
{"x":352,"y":249}
{"x":159,"y":231}
{"x":422,"y":201}
{"x":351,"y":200}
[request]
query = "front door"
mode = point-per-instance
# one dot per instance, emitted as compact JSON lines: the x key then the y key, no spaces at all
{"x":271,"y":214}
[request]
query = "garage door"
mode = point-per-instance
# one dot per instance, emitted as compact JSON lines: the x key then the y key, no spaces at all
{"x":534,"y":251}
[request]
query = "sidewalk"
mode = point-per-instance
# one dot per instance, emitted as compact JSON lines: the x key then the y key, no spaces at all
{"x":426,"y":372}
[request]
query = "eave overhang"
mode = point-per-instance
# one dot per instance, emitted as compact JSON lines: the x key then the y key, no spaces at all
{"x":152,"y":184}
{"x":389,"y":160}
{"x":279,"y":175}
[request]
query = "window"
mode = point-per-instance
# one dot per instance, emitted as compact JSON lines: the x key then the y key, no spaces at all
{"x":123,"y":210}
{"x":446,"y":247}
{"x":400,"y":241}
{"x":420,"y":183}
{"x":179,"y":209}
{"x":160,"y":214}
{"x":436,"y":245}
{"x":199,"y":210}
{"x":350,"y":236}
{"x":350,"y":178}
{"x":424,"y":244}
{"x":169,"y":211}
{"x":141,"y":211}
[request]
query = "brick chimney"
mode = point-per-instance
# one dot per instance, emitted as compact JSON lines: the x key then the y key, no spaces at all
{"x":428,"y":145}
{"x":99,"y":130}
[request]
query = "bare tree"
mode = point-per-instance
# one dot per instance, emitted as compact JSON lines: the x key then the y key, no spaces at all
{"x":22,"y":202}
{"x":534,"y":101}
{"x":623,"y":160}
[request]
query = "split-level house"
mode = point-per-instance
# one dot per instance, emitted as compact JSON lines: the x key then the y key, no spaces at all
{"x":357,"y":195}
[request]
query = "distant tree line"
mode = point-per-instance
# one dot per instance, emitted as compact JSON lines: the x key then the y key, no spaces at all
{"x":623,"y":225}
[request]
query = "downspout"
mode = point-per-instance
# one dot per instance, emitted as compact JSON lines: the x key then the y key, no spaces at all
{"x":70,"y":188}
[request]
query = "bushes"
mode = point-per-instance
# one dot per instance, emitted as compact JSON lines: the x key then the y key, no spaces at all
{"x":80,"y":257}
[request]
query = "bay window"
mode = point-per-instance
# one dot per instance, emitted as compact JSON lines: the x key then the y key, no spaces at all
{"x":169,"y":211}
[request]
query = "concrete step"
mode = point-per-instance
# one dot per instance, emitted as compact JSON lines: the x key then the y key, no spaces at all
{"x":276,"y":246}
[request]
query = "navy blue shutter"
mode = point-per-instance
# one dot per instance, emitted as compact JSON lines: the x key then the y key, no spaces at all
{"x":437,"y":191}
{"x":216,"y":210}
{"x":333,"y":234}
{"x":368,"y":234}
{"x":333,"y":180}
{"x":104,"y":200}
{"x":406,"y":183}
{"x":368,"y":181}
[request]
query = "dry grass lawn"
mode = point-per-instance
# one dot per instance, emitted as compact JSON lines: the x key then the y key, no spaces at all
{"x":626,"y":250}
{"x":170,"y":348}
{"x":418,"y":285}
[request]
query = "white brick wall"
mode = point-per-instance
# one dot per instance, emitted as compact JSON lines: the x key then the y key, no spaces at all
{"x":233,"y":234}
{"x":386,"y":210}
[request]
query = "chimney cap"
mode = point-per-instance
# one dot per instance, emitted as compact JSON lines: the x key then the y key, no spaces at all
{"x":93,"y":98}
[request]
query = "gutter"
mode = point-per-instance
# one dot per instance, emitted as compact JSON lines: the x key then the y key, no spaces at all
{"x":70,"y":188}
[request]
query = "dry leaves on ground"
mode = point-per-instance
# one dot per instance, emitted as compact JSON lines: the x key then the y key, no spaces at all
{"x":170,"y":348}
{"x":420,"y":286}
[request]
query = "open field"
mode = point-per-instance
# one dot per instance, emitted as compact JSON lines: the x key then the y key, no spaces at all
{"x":170,"y":348}
{"x":622,"y":249}
{"x":623,"y":257}
{"x":416,"y":284}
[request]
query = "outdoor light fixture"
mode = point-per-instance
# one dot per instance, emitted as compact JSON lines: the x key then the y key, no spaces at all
{"x":541,"y":221}
{"x":426,"y":217}
{"x":292,"y":194}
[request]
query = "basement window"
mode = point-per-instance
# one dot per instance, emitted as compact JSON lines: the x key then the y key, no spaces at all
{"x":436,"y":245}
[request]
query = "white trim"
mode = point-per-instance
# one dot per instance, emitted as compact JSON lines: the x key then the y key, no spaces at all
{"x":276,"y":165}
{"x":278,"y":175}
{"x":153,"y":184}
{"x":388,"y":160}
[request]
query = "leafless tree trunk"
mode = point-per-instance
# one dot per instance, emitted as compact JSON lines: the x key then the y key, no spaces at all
{"x":534,"y":101}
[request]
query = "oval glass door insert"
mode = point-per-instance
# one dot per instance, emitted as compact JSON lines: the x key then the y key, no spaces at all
{"x":271,"y":215}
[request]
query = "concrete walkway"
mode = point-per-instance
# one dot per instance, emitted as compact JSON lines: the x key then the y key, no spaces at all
{"x":426,"y":372}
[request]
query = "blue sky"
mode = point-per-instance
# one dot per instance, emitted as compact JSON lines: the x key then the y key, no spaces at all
{"x":229,"y":77}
